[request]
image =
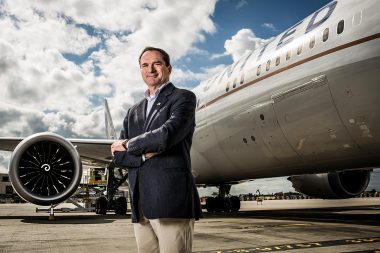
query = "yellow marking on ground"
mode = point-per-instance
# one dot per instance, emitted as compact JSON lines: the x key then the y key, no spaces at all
{"x":295,"y":225}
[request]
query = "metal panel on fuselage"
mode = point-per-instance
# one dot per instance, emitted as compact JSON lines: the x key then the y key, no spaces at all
{"x":357,"y":103}
{"x":309,"y":120}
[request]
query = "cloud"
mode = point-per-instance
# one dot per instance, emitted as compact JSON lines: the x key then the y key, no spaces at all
{"x":374,"y":183}
{"x":4,"y":158}
{"x":60,"y":58}
{"x":269,"y":26}
{"x":217,"y":56}
{"x":18,"y":120}
{"x":265,"y":186}
{"x":210,"y":71}
{"x":240,"y":4}
{"x":242,"y":42}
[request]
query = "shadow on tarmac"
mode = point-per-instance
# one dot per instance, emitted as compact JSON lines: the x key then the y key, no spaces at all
{"x":360,"y":215}
{"x":69,"y":219}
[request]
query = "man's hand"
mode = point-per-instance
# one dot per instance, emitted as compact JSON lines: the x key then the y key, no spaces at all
{"x":150,"y":155}
{"x":119,"y":146}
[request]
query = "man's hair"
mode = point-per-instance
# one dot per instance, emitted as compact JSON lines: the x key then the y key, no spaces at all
{"x":164,"y":55}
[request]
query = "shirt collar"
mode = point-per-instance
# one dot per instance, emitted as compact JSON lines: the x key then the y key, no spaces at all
{"x":147,"y":96}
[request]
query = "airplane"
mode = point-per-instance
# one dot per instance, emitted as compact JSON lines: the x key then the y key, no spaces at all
{"x":304,"y":105}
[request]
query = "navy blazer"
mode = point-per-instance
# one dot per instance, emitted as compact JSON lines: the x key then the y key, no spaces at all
{"x":164,"y":184}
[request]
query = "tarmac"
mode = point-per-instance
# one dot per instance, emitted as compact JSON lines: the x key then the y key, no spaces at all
{"x":307,"y":225}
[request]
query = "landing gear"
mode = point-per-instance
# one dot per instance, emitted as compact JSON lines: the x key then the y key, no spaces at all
{"x":116,"y":177}
{"x":223,"y":202}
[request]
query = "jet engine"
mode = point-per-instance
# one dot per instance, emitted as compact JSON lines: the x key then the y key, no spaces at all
{"x":45,"y":169}
{"x":332,"y":185}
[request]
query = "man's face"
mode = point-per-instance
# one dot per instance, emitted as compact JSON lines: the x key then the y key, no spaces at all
{"x":153,"y":69}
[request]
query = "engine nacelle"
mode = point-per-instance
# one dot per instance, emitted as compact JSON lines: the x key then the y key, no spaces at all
{"x":45,"y":169}
{"x":333,"y":185}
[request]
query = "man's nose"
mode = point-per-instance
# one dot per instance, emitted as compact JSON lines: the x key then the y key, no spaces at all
{"x":152,"y":68}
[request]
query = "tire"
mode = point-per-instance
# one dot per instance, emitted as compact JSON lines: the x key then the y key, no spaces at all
{"x":219,"y":204}
{"x":101,"y":206}
{"x":210,"y":204}
{"x":235,"y":203}
{"x":121,"y":205}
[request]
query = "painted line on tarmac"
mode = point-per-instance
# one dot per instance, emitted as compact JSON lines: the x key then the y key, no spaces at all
{"x":366,"y":251}
{"x":304,"y":245}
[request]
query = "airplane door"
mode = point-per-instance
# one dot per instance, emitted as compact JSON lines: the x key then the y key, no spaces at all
{"x":308,"y":118}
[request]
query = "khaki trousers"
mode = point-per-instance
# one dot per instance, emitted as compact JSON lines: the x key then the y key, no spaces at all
{"x":165,"y":235}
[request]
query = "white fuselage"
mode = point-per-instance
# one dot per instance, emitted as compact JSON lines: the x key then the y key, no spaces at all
{"x":301,"y":104}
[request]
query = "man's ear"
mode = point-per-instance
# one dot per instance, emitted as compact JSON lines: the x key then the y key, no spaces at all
{"x":170,"y":68}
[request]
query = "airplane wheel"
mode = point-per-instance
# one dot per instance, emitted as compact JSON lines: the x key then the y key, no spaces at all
{"x":219,"y":204}
{"x":121,"y":205}
{"x":227,"y":205}
{"x":235,"y":203}
{"x":210,"y":204}
{"x":101,"y":206}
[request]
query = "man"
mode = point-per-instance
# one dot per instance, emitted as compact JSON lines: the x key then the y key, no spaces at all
{"x":155,"y":147}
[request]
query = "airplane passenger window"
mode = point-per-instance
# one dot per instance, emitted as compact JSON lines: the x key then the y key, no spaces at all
{"x":234,"y":85}
{"x":268,"y":65}
{"x":258,"y":70}
{"x":288,"y":54}
{"x":198,"y":103}
{"x":340,"y":27}
{"x":228,"y":86}
{"x":242,"y":79}
{"x":325,"y":34}
{"x":312,"y":42}
{"x":299,"y":49}
{"x":278,"y":61}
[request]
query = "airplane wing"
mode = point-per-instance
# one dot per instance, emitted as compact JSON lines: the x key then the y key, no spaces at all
{"x":90,"y":150}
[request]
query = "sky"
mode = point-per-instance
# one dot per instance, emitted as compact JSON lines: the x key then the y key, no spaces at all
{"x":59,"y":59}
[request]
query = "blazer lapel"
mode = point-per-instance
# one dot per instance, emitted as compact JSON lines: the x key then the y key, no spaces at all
{"x":158,"y":104}
{"x":141,"y":114}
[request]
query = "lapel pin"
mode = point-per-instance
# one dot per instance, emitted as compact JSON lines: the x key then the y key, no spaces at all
{"x":158,"y":103}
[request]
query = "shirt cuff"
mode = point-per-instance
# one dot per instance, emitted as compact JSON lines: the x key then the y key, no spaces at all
{"x":143,"y":157}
